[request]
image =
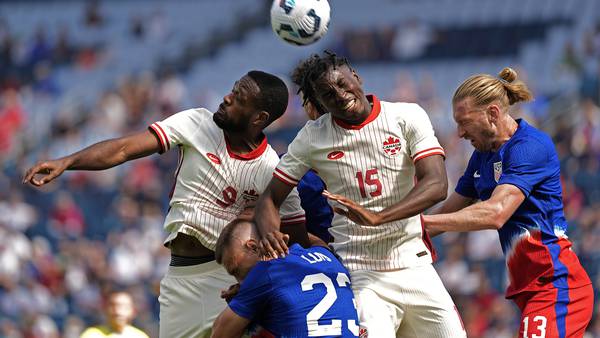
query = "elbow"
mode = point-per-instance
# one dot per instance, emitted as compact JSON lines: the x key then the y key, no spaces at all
{"x":439,"y":191}
{"x":495,"y":224}
{"x":496,"y":219}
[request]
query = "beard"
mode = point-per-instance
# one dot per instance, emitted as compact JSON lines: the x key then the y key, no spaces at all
{"x":228,"y":125}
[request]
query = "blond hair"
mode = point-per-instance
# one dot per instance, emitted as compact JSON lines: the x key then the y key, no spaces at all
{"x":485,"y":89}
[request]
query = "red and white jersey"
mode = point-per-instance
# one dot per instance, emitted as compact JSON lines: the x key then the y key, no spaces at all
{"x":372,"y":164}
{"x":213,"y":184}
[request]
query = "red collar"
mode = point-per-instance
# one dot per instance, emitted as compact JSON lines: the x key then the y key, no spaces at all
{"x":248,"y":156}
{"x":375,"y":110}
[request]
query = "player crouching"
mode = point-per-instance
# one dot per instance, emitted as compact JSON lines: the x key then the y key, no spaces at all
{"x":289,"y":296}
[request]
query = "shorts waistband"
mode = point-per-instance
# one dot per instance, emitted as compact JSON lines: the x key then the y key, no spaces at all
{"x":192,"y":270}
{"x":189,"y":261}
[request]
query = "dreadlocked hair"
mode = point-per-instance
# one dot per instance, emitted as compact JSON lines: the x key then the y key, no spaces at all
{"x":311,"y":69}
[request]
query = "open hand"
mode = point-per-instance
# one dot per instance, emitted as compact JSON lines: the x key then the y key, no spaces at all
{"x":49,"y":169}
{"x":274,"y":244}
{"x":355,"y":212}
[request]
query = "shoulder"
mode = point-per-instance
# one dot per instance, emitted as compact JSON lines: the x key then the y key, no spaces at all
{"x":319,"y":125}
{"x":531,"y":142}
{"x":270,"y":156}
{"x":199,"y":112}
{"x":403,"y":109}
{"x":134,"y":332}
{"x":406,"y":114}
{"x":95,"y":332}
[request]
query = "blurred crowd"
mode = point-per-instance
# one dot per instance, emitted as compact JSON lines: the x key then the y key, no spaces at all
{"x":64,"y":247}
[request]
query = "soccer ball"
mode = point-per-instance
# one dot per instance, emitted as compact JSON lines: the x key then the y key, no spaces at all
{"x":300,"y":22}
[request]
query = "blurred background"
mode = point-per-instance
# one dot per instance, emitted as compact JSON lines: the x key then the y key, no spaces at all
{"x":76,"y":72}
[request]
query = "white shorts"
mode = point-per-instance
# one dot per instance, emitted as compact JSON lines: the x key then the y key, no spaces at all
{"x":190,"y":299}
{"x":411,"y":302}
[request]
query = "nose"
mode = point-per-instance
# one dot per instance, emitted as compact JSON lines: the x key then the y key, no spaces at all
{"x":340,"y":96}
{"x":227,"y":99}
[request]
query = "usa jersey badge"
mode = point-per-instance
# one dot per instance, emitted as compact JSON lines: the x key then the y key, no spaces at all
{"x":391,"y":146}
{"x":497,"y":171}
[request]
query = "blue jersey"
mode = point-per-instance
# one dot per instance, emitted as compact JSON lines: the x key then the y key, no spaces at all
{"x":318,"y":211}
{"x":534,"y":238}
{"x":307,"y":293}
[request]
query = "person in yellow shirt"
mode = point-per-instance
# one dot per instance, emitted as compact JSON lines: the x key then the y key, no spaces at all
{"x":120,"y":312}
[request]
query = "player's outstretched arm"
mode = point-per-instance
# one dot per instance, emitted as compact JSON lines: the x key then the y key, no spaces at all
{"x":229,"y":325}
{"x":431,"y":188}
{"x":99,"y":156}
{"x":267,"y":220}
{"x":490,"y":214}
{"x":452,"y":204}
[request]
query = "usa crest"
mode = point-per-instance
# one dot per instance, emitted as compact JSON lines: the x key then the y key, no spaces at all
{"x":392,"y":146}
{"x":497,"y":170}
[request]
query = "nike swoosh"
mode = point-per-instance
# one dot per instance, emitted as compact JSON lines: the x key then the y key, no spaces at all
{"x":476,"y":174}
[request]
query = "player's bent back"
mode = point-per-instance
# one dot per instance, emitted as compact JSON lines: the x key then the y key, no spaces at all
{"x":305,"y":294}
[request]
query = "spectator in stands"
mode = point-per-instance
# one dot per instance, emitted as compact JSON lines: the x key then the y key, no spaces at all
{"x":120,"y":312}
{"x":92,"y":14}
{"x":411,"y":39}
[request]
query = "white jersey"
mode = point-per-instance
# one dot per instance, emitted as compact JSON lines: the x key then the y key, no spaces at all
{"x":372,"y":164}
{"x":213,"y":184}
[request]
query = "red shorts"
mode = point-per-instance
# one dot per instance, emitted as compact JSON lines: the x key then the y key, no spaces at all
{"x":555,"y":312}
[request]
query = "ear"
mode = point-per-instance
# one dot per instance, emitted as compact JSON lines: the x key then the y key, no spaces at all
{"x":252,"y":245}
{"x":494,"y":113}
{"x":262,"y":118}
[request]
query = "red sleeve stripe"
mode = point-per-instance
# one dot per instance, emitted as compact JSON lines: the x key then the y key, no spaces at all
{"x":161,"y":135}
{"x":283,"y":180}
{"x":285,"y":177}
{"x":429,"y":152}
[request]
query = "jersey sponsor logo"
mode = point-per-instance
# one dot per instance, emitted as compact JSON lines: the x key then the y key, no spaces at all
{"x":392,"y":146}
{"x":497,"y":171}
{"x":335,"y":155}
{"x":214,"y":158}
{"x":250,"y":195}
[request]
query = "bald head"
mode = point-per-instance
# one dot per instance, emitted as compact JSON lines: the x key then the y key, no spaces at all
{"x":237,"y":248}
{"x":238,"y":232}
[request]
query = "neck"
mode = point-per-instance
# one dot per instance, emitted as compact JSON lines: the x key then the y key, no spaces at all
{"x":244,"y":142}
{"x":118,"y":328}
{"x":506,"y":129}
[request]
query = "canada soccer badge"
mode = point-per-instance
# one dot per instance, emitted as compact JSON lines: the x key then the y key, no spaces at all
{"x":392,"y":146}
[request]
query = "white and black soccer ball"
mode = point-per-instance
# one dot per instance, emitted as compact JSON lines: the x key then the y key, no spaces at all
{"x":300,"y":22}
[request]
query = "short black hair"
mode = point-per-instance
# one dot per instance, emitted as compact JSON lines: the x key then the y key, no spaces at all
{"x":311,"y":69}
{"x":226,"y":237}
{"x":273,"y":96}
